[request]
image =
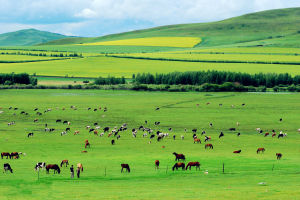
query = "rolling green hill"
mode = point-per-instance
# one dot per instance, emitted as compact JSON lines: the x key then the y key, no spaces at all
{"x":268,"y":28}
{"x":28,"y":37}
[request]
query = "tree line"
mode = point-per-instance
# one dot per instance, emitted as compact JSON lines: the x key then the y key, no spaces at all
{"x":11,"y":79}
{"x":110,"y":81}
{"x":217,"y":77}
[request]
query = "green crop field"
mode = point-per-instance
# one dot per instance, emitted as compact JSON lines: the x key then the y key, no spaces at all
{"x":105,"y":66}
{"x":219,"y":57}
{"x":24,"y":58}
{"x":247,"y":175}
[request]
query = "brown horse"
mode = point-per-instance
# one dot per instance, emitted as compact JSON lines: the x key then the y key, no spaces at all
{"x":14,"y":155}
{"x":278,"y":155}
{"x":238,"y":151}
{"x":178,"y":165}
{"x":80,"y":166}
{"x":197,"y":140}
{"x":261,"y":149}
{"x":179,"y":156}
{"x":66,"y":162}
{"x":266,"y":134}
{"x":87,"y":144}
{"x":156,"y":164}
{"x":192,"y":164}
{"x":55,"y":167}
{"x":210,"y":146}
{"x":5,"y":154}
{"x":126,"y":166}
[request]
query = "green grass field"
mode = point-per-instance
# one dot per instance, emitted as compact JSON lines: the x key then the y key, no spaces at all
{"x":105,"y":66}
{"x":243,"y":172}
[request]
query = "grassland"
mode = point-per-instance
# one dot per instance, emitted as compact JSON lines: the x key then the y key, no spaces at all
{"x":153,"y":41}
{"x":178,"y":110}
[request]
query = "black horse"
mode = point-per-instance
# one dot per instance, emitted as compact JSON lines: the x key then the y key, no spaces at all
{"x":126,"y":166}
{"x":55,"y":167}
{"x":30,"y":135}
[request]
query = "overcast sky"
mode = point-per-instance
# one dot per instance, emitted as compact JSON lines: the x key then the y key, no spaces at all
{"x":101,"y":17}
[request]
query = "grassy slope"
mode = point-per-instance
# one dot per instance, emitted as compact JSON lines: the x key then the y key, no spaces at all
{"x":27,"y":37}
{"x":280,"y":24}
{"x":243,"y":172}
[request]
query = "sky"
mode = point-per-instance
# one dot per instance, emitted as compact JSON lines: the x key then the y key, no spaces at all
{"x":91,"y":18}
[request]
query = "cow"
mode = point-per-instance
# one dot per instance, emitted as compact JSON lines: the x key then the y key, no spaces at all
{"x":7,"y":167}
{"x":232,"y":129}
{"x":112,"y":142}
{"x":40,"y":165}
{"x":238,"y":151}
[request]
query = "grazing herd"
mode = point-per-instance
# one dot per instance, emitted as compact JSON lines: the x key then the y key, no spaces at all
{"x":115,"y":132}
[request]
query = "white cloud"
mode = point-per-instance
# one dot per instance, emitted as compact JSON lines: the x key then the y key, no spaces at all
{"x":87,"y":13}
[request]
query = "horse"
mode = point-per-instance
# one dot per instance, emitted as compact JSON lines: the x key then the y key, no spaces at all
{"x":197,"y":140}
{"x":193,"y":164}
{"x":179,"y":156}
{"x":238,"y":151}
{"x":80,"y":166}
{"x":30,"y":135}
{"x":7,"y":167}
{"x":178,"y":165}
{"x":156,"y":164}
{"x":266,"y":134}
{"x":40,"y":165}
{"x":15,"y":155}
{"x":126,"y":166}
{"x":261,"y":149}
{"x":278,"y":155}
{"x":66,"y":162}
{"x":55,"y":167}
{"x":87,"y":144}
{"x":5,"y":154}
{"x":207,"y":138}
{"x":210,"y":146}
{"x":221,"y":135}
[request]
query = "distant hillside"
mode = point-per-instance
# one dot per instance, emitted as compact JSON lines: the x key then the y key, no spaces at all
{"x":28,"y":37}
{"x":279,"y":27}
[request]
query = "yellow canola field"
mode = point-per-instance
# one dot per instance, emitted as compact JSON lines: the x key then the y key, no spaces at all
{"x":153,"y":41}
